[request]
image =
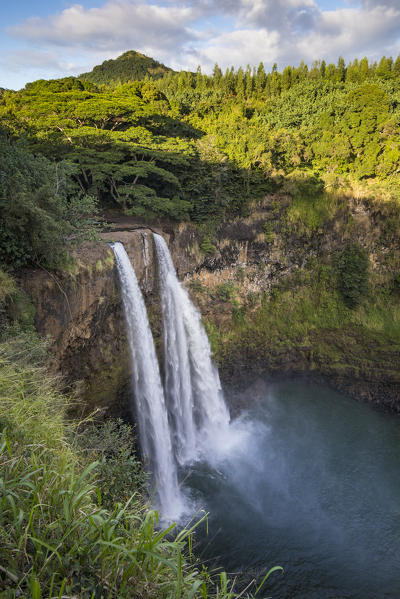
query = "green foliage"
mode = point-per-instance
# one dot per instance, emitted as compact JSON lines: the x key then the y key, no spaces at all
{"x":65,"y":84}
{"x":38,"y":208}
{"x":61,"y":534}
{"x":238,"y":312}
{"x":213,"y":337}
{"x":395,"y":286}
{"x":130,"y":66}
{"x":119,"y":473}
{"x":197,"y":286}
{"x":352,"y":266}
{"x":305,"y":317}
{"x":240,"y":274}
{"x":269,"y":232}
{"x":225,"y":291}
{"x":7,"y":287}
{"x":309,"y":214}
{"x":192,"y":146}
{"x":8,"y":290}
{"x":207,"y":246}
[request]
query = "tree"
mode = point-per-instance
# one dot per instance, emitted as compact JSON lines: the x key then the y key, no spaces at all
{"x":352,"y":266}
{"x":217,"y":73}
{"x":248,"y":81}
{"x":364,"y":69}
{"x":384,"y":70}
{"x":39,"y":208}
{"x":240,"y":84}
{"x":396,"y":67}
{"x":286,"y":78}
{"x":341,"y":69}
{"x":260,"y":79}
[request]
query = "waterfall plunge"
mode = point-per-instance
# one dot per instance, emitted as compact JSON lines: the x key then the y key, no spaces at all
{"x":193,"y":422}
{"x":196,"y":407}
{"x":150,"y":406}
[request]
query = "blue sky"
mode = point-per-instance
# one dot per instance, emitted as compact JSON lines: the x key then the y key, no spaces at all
{"x":55,"y":38}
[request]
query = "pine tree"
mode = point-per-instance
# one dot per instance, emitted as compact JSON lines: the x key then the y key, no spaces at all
{"x":261,"y":79}
{"x":341,"y":69}
{"x":384,"y":70}
{"x":396,"y":67}
{"x":331,"y":72}
{"x":364,"y":69}
{"x":286,"y":78}
{"x":248,"y":81}
{"x":275,"y":81}
{"x":217,"y":74}
{"x":240,"y":87}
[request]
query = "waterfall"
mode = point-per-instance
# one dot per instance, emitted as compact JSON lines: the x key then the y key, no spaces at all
{"x":196,"y":406}
{"x":150,"y":405}
{"x":180,"y":426}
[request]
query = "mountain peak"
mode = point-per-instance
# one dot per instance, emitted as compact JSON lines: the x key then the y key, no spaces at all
{"x":130,"y":66}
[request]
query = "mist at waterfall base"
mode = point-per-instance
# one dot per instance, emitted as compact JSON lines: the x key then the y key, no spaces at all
{"x":306,"y":479}
{"x":309,"y":480}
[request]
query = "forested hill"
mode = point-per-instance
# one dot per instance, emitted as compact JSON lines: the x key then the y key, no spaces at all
{"x":130,"y":66}
{"x":189,"y":146}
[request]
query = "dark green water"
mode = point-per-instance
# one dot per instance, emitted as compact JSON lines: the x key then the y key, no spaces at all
{"x":309,"y":480}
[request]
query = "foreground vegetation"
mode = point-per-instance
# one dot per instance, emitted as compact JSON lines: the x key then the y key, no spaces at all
{"x":73,"y":516}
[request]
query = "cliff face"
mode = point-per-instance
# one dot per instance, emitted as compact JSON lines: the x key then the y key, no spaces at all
{"x":80,"y":312}
{"x":252,"y":255}
{"x":81,"y":309}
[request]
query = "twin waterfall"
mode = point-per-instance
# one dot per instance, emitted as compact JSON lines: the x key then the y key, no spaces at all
{"x":175,"y":422}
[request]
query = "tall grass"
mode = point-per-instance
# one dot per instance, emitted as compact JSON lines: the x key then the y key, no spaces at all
{"x":58,"y":537}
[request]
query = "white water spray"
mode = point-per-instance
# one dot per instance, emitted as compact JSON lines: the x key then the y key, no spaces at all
{"x":196,"y":406}
{"x":150,"y":406}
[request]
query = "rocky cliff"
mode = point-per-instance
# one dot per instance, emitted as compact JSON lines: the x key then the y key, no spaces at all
{"x":229,"y":273}
{"x":79,"y":310}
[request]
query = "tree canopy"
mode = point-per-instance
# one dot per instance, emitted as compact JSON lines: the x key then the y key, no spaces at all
{"x":194,"y":146}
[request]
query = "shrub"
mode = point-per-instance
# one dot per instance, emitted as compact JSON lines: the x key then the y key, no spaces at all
{"x":7,"y":286}
{"x":207,"y":246}
{"x":225,"y":291}
{"x":197,"y":286}
{"x":240,"y":274}
{"x":119,"y":472}
{"x":352,"y":274}
{"x":238,"y":313}
{"x":395,"y":285}
{"x":269,"y":232}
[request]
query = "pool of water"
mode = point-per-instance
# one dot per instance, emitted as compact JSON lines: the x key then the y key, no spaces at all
{"x":309,"y":480}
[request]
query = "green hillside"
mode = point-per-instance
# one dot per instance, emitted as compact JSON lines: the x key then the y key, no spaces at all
{"x":190,"y":146}
{"x":130,"y":66}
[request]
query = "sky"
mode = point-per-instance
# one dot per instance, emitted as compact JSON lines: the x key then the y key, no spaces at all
{"x":56,"y":38}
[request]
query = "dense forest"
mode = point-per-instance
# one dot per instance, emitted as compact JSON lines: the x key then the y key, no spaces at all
{"x":130,"y":66}
{"x":189,"y":146}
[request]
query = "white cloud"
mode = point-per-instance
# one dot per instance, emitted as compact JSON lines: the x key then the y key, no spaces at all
{"x":358,"y":33}
{"x":286,"y":15}
{"x":117,"y":24}
{"x":185,"y":33}
{"x":241,"y":47}
{"x":371,"y":4}
{"x":19,"y":59}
